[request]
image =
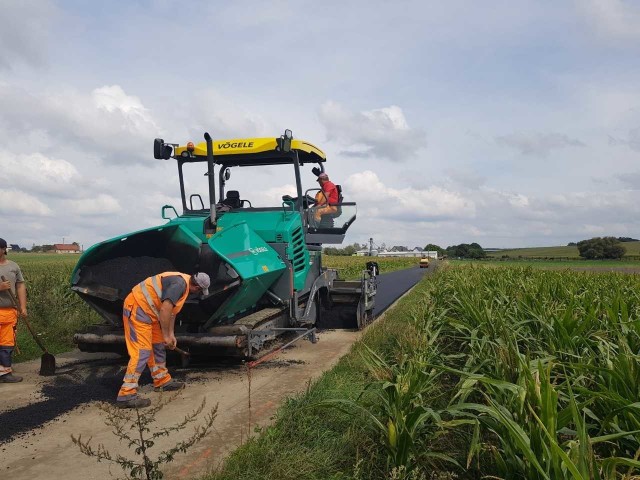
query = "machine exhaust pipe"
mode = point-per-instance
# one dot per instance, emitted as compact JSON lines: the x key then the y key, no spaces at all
{"x":212,"y":186}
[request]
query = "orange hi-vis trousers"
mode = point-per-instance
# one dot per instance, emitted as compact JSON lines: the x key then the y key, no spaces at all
{"x":8,"y":320}
{"x":145,"y":345}
{"x":324,"y":210}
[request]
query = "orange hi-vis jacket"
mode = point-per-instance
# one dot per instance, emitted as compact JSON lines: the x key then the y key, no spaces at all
{"x":148,"y":294}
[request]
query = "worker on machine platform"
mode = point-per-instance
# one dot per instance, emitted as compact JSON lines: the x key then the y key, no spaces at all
{"x":326,"y":199}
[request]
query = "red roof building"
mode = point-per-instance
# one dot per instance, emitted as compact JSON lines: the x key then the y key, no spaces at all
{"x":66,"y":248}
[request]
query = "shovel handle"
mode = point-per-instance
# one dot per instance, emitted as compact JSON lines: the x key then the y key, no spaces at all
{"x":15,"y":305}
{"x":181,"y":352}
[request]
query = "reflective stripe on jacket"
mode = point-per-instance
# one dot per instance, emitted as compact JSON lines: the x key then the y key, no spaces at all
{"x":148,"y":294}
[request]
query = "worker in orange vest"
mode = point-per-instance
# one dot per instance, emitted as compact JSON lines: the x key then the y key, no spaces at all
{"x":149,"y":316}
{"x":14,"y":283}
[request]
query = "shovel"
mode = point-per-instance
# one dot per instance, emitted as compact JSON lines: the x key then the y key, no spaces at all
{"x":184,"y":356}
{"x":47,"y":361}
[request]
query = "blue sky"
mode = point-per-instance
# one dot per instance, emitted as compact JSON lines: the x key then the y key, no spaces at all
{"x":505,"y":123}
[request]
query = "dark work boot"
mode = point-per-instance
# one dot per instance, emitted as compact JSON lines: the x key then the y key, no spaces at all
{"x":133,"y":403}
{"x":169,"y":386}
{"x":10,"y":378}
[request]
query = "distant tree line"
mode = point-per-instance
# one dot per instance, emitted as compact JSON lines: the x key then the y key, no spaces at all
{"x":39,"y":248}
{"x":600,"y":248}
{"x":431,"y":247}
{"x":346,"y":251}
{"x":620,"y":239}
{"x":466,"y":250}
{"x":463,"y":250}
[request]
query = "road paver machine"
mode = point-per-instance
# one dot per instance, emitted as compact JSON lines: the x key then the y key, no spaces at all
{"x":265,"y":263}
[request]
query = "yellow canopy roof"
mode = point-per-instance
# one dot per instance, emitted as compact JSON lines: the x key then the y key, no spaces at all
{"x":252,"y":146}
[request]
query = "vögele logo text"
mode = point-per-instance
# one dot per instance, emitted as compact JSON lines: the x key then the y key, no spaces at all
{"x":225,"y":145}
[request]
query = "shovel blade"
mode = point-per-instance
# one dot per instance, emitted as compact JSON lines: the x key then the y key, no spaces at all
{"x":47,"y":365}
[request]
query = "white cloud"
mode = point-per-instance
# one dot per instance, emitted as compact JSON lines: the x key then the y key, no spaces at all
{"x":273,"y":195}
{"x":617,"y":19}
{"x":25,"y":32}
{"x":595,"y":230}
{"x":632,"y":140}
{"x":466,"y":178}
{"x":539,"y":144}
{"x":38,"y":173}
{"x":630,"y":180}
{"x":15,"y":202}
{"x":105,"y":122}
{"x":75,"y":134}
{"x":382,"y":133}
{"x":101,"y":204}
{"x":432,"y":203}
{"x":225,"y":117}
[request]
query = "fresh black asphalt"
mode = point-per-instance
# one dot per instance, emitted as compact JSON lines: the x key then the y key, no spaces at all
{"x":393,"y":285}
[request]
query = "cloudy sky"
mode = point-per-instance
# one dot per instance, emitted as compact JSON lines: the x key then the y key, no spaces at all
{"x":508,"y":123}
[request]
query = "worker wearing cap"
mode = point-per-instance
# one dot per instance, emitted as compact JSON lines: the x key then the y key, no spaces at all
{"x":148,"y":316}
{"x":14,"y":282}
{"x":326,"y":199}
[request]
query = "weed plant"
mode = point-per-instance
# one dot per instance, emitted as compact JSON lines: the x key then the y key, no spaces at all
{"x":137,"y":429}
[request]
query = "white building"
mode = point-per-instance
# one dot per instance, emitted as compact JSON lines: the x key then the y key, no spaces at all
{"x":411,"y":253}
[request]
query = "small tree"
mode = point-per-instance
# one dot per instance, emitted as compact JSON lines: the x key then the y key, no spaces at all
{"x":134,"y":428}
{"x":466,"y":250}
{"x":598,"y":248}
{"x":430,"y":247}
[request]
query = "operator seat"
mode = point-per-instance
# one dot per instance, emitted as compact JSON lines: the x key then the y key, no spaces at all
{"x":233,"y":199}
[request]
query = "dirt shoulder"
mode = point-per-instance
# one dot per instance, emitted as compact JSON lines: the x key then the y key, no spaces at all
{"x":41,"y":447}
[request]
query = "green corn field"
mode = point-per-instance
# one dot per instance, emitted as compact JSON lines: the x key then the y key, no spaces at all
{"x":350,"y":268}
{"x":540,"y":372}
{"x":55,"y":312}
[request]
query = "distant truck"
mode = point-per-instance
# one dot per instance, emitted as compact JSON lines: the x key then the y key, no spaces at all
{"x":424,"y":262}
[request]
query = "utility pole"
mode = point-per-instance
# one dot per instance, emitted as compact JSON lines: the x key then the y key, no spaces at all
{"x":370,"y":247}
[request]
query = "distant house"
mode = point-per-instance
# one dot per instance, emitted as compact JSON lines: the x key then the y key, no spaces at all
{"x":66,"y":248}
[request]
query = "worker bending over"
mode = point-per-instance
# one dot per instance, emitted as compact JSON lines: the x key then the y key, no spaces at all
{"x":9,"y":312}
{"x":148,"y":316}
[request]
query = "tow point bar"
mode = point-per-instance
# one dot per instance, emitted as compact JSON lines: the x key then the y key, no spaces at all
{"x":311,"y":333}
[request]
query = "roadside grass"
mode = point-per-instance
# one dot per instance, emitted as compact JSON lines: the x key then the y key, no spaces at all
{"x":477,"y":373}
{"x":317,"y":435}
{"x":55,"y":312}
